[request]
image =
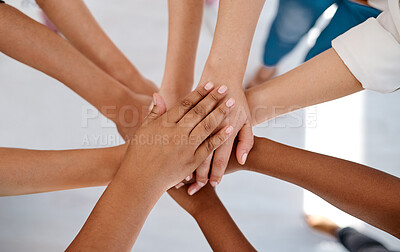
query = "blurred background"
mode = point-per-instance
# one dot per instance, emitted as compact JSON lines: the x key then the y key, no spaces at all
{"x":40,"y":113}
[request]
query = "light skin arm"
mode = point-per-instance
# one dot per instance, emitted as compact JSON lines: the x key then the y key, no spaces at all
{"x":212,"y":217}
{"x":321,"y":79}
{"x":226,"y":64}
{"x":183,"y":36}
{"x":36,"y":171}
{"x":37,"y":46}
{"x":74,"y":20}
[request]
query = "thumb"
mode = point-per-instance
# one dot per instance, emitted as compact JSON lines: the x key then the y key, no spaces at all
{"x":245,"y":143}
{"x":157,"y":108}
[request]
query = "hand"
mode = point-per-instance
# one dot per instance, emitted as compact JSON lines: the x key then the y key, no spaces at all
{"x":171,"y":146}
{"x":198,"y":203}
{"x":174,"y":92}
{"x":131,"y":115}
{"x":240,"y":119}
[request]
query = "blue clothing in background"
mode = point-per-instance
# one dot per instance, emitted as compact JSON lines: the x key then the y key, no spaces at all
{"x":296,"y":17}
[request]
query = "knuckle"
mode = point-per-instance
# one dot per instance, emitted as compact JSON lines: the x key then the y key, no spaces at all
{"x":186,"y":103}
{"x":207,"y":125}
{"x":215,"y":178}
{"x":199,"y":110}
{"x":201,"y":178}
{"x":199,"y":93}
{"x":214,"y":97}
{"x":210,"y":146}
{"x":219,"y":163}
{"x":219,"y":139}
{"x":222,"y":111}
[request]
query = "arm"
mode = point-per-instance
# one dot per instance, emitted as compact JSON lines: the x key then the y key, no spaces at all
{"x":74,"y":20}
{"x":35,"y":171}
{"x":226,"y":64}
{"x":212,"y":217}
{"x":183,"y":37}
{"x":33,"y":44}
{"x":361,"y":191}
{"x":309,"y":84}
{"x":150,"y":168}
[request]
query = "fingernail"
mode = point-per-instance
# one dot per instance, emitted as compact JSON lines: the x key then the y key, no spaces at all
{"x":229,"y":130}
{"x":188,"y":178}
{"x":179,"y":185}
{"x":244,"y":158}
{"x":154,"y":100}
{"x":222,"y":89}
{"x":209,"y":86}
{"x":194,"y":190}
{"x":151,"y":106}
{"x":201,"y":184}
{"x":230,"y":102}
{"x":214,"y":184}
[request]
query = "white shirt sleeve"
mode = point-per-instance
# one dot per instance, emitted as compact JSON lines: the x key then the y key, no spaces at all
{"x":371,"y":50}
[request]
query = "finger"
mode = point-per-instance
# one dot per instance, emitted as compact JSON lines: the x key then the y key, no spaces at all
{"x":220,"y":162}
{"x":179,"y":185}
{"x":201,"y":176}
{"x":203,"y":108}
{"x":208,"y":125}
{"x":188,"y":178}
{"x":180,"y":109}
{"x":212,"y":143}
{"x":157,"y":110}
{"x":245,"y":143}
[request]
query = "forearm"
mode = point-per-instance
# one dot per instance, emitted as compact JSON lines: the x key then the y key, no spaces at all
{"x":237,"y":20}
{"x":212,"y":217}
{"x":74,"y":20}
{"x":221,"y":231}
{"x":36,"y":171}
{"x":37,"y":46}
{"x":319,"y":80}
{"x":120,"y":213}
{"x":183,"y":36}
{"x":361,"y":191}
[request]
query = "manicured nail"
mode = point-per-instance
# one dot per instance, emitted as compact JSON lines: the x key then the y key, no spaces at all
{"x":154,"y":100}
{"x":222,"y":89}
{"x":213,"y":183}
{"x":188,"y":178}
{"x":201,"y":184}
{"x":179,"y":185}
{"x":229,"y":130}
{"x":244,"y":158}
{"x":230,"y":102}
{"x":151,"y":106}
{"x":194,"y":190}
{"x":209,"y":86}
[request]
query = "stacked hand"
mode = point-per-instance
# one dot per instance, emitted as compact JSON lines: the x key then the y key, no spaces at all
{"x":184,"y":129}
{"x":239,"y":119}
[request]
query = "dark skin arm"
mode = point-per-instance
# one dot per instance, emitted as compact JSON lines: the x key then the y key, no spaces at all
{"x":359,"y":190}
{"x":212,"y":217}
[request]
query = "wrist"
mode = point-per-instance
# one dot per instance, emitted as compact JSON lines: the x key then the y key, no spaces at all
{"x":204,"y":212}
{"x":175,"y":84}
{"x":230,"y":70}
{"x":136,"y":181}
